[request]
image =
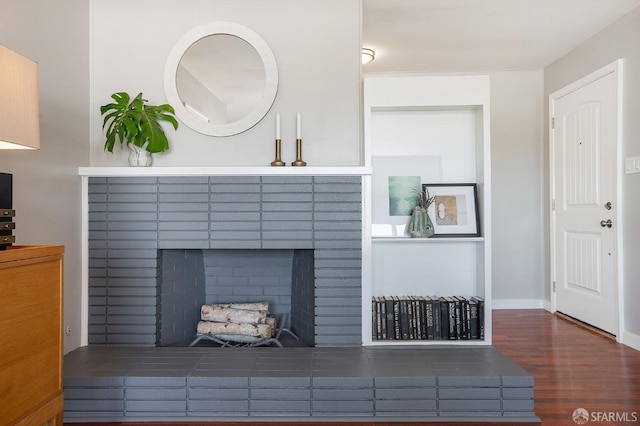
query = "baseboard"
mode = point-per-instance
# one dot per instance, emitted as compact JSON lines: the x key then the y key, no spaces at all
{"x":631,"y":339}
{"x":518,"y":304}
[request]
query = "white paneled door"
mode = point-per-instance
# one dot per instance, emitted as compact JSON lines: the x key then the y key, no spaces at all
{"x":584,"y":170}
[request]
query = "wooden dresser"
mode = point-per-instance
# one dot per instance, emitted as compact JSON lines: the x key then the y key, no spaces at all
{"x":31,"y":335}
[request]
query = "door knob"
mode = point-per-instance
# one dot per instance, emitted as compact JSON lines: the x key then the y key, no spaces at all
{"x":606,"y":223}
{"x":608,"y":205}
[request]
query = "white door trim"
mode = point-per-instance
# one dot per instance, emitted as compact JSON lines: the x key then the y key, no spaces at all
{"x":615,"y":67}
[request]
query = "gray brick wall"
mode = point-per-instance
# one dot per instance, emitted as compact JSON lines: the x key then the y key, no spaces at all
{"x":123,"y":261}
{"x":130,"y":219}
{"x":182,"y":284}
{"x":303,"y":296}
{"x":249,"y":276}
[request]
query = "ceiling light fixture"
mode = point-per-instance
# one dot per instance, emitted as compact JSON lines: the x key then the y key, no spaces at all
{"x":368,"y":55}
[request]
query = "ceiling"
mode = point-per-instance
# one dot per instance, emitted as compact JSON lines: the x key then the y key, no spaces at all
{"x":480,"y":35}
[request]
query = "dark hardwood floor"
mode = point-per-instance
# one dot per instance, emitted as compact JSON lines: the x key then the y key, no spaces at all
{"x":573,"y":367}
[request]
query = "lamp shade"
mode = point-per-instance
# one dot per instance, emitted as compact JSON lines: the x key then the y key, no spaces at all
{"x":19,"y":111}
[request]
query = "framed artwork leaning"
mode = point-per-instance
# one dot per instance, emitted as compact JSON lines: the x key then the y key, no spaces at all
{"x":454,"y":211}
{"x":395,"y":181}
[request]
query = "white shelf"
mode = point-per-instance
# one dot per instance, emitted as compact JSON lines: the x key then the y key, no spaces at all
{"x":433,"y":240}
{"x":225,"y":171}
{"x":436,"y":343}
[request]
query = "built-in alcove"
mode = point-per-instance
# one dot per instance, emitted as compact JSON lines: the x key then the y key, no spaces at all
{"x":190,"y":278}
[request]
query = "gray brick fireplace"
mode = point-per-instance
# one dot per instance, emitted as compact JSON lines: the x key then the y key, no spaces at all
{"x":161,"y":246}
{"x":139,"y":226}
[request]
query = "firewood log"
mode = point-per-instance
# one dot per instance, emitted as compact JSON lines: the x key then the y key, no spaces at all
{"x":230,"y":328}
{"x":218,"y":313}
{"x":271,"y":321}
{"x":255,"y":306}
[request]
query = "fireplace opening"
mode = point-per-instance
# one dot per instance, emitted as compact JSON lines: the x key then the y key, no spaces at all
{"x":285,"y":279}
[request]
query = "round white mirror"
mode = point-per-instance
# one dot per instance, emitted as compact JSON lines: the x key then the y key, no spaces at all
{"x":221,"y":78}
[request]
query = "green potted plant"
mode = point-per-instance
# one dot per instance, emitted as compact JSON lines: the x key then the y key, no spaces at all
{"x":138,"y":124}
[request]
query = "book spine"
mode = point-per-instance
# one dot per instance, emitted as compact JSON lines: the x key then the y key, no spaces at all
{"x":373,"y":319}
{"x":396,"y":318}
{"x":378,"y":319}
{"x":436,"y":318}
{"x":383,"y":318}
{"x":481,"y":314}
{"x":480,"y":301}
{"x":444,"y":319}
{"x":427,"y":310}
{"x":390,"y":322}
{"x":458,"y":319}
{"x":419,"y":316}
{"x":411,"y":318}
{"x":467,"y":319}
{"x":453,"y":335}
{"x":473,"y":320}
{"x":404,"y":319}
{"x":464,"y":318}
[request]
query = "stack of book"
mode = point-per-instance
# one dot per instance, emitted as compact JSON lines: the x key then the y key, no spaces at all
{"x":427,"y":318}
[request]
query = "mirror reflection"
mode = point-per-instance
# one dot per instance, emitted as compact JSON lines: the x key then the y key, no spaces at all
{"x":221,"y":78}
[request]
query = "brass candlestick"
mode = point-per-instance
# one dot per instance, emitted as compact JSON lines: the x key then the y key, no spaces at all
{"x":299,"y":161}
{"x":278,"y":162}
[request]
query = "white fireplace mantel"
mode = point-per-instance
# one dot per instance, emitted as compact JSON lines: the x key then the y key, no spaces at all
{"x":225,"y":171}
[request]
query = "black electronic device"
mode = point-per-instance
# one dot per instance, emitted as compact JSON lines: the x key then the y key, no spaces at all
{"x":6,"y":210}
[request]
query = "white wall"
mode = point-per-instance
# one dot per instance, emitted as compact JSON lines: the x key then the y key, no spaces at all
{"x":317,"y":48}
{"x":517,"y":188}
{"x":619,"y":40}
{"x":46,"y":183}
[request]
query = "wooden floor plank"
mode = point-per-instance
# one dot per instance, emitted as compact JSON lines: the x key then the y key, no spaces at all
{"x":573,"y":367}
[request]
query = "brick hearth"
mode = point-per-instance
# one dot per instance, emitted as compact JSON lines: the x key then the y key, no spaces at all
{"x":111,"y":384}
